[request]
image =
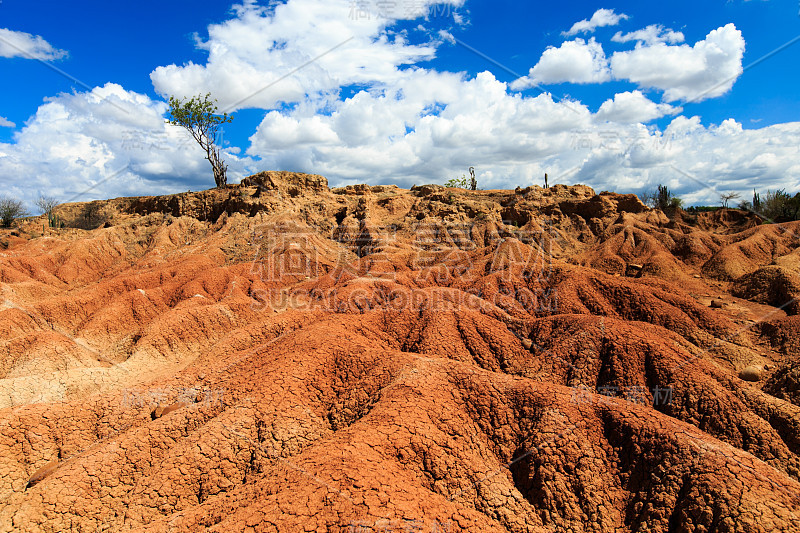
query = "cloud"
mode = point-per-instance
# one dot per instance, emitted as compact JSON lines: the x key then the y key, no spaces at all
{"x":695,"y":161}
{"x":5,"y":123}
{"x":432,"y":126}
{"x":109,"y":138}
{"x":401,"y":123}
{"x":575,"y":61}
{"x":688,"y":73}
{"x":279,"y":54}
{"x":653,"y":34}
{"x":425,"y":128}
{"x":632,"y":107}
{"x":601,"y":18}
{"x":21,"y":44}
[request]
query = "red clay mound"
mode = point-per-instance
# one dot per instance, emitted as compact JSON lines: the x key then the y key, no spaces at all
{"x":743,"y":253}
{"x":785,"y":384}
{"x":784,"y":334}
{"x":280,"y":356}
{"x":630,"y":251}
{"x":771,"y":285}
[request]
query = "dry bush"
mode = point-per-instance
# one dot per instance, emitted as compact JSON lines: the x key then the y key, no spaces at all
{"x":10,"y":210}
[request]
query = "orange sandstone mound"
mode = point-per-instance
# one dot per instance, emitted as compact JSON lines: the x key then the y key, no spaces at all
{"x":281,"y":356}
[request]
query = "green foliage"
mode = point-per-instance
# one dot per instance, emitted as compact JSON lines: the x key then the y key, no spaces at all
{"x":780,"y":205}
{"x":756,"y":201}
{"x":10,"y":210}
{"x":464,"y":182}
{"x":460,"y":183}
{"x":774,"y":206}
{"x":198,"y":115}
{"x":703,"y":208}
{"x":661,"y":198}
{"x":55,"y":221}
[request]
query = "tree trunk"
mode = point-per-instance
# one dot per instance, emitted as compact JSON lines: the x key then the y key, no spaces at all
{"x":219,"y":167}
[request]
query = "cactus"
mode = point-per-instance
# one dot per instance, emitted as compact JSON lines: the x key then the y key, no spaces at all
{"x":54,"y":221}
{"x":756,"y":201}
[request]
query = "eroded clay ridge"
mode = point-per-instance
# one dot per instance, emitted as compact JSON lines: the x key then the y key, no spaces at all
{"x":281,"y":356}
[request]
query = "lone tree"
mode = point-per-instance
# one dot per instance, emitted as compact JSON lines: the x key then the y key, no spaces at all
{"x":10,"y":210}
{"x":727,"y":197}
{"x":199,"y":116}
{"x":46,"y":204}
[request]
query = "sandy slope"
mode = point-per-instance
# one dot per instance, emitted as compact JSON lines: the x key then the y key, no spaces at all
{"x":294,"y":358}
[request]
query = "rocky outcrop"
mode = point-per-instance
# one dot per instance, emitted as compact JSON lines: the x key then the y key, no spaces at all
{"x":292,"y":184}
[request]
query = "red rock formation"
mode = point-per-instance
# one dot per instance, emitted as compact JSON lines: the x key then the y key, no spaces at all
{"x":374,"y":359}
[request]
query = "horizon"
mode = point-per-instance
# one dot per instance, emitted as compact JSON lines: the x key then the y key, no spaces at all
{"x":619,"y":96}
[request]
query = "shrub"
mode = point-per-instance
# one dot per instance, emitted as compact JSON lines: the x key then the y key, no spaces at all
{"x":774,"y":206}
{"x":10,"y":210}
{"x":780,"y":205}
{"x":704,"y":208}
{"x":47,"y":204}
{"x":661,"y":198}
{"x":461,"y":183}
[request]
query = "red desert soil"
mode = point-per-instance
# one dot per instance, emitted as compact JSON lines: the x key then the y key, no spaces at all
{"x":281,"y":356}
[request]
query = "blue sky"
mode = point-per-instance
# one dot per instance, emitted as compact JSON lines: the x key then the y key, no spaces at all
{"x":419,"y":93}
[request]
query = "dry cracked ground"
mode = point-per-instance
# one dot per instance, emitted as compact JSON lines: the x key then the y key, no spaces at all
{"x":281,"y":356}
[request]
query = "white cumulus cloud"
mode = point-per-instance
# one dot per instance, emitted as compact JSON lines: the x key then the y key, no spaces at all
{"x":688,"y":73}
{"x":425,"y":128}
{"x":5,"y":123}
{"x":600,"y":18}
{"x":431,"y":126}
{"x":109,"y":140}
{"x":281,"y":53}
{"x":401,"y":121}
{"x":632,"y":107}
{"x":21,"y":44}
{"x":575,"y":61}
{"x":652,"y":34}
